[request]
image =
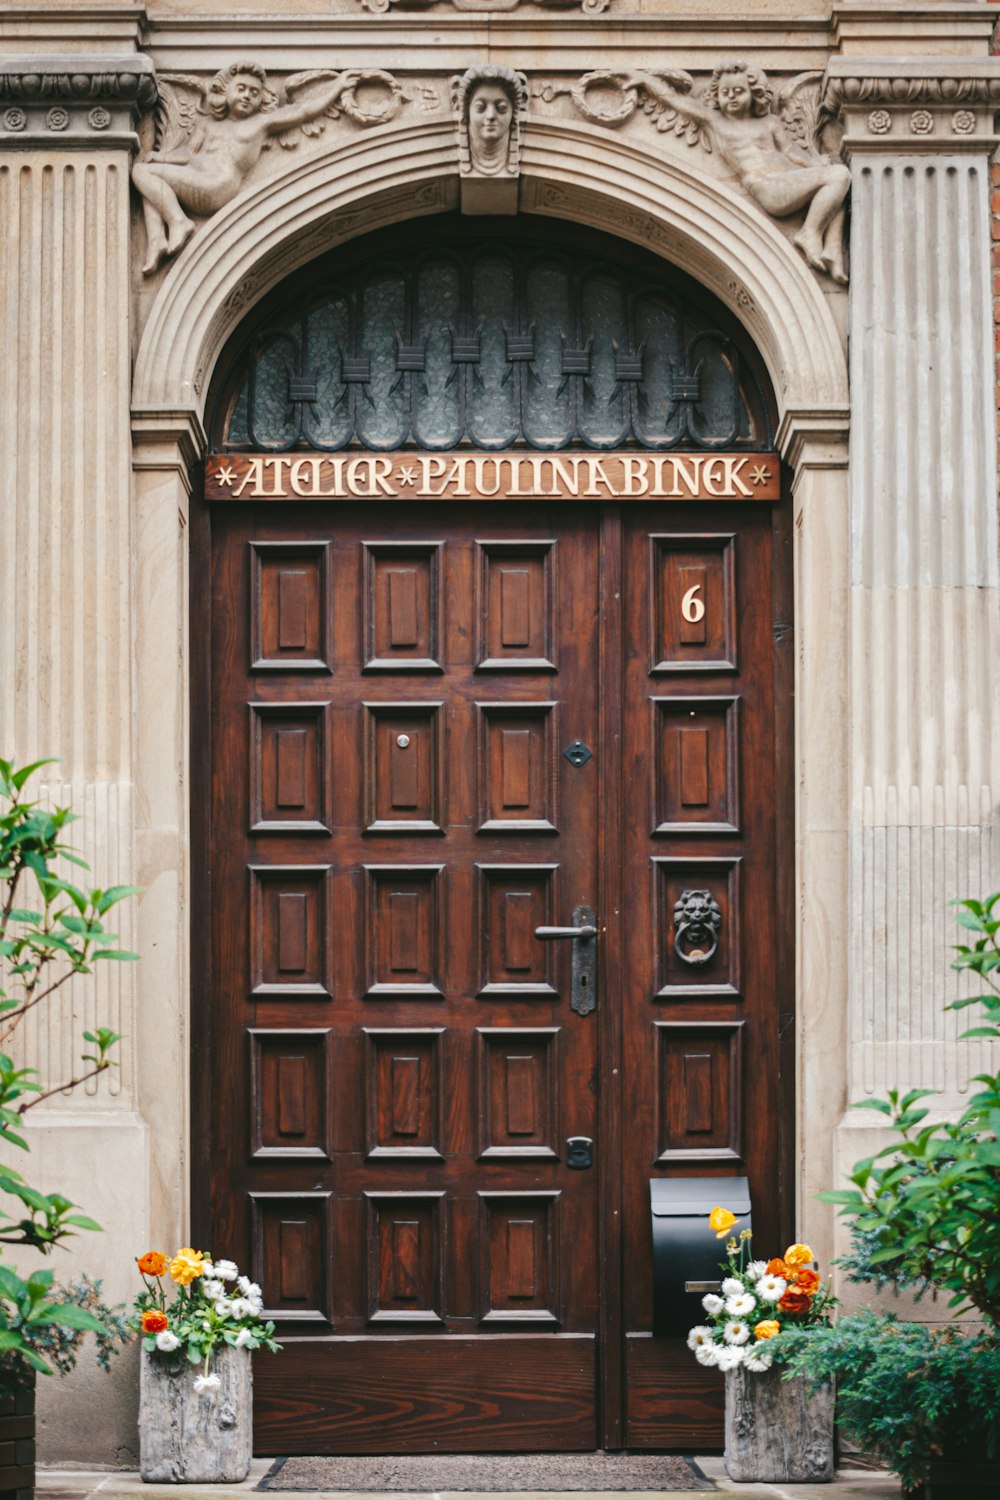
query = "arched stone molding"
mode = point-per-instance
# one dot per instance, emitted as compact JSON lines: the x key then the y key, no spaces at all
{"x":697,"y":222}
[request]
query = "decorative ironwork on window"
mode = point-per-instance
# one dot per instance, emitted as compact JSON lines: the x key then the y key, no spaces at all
{"x":492,"y":347}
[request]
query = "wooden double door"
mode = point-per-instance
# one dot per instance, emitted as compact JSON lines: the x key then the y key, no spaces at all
{"x":435,"y":730}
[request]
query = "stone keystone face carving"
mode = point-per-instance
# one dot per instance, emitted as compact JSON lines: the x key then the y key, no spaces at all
{"x":490,"y":103}
{"x":770,"y":142}
{"x":208,"y":136}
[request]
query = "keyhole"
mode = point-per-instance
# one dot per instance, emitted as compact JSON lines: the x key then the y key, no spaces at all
{"x":583,"y":980}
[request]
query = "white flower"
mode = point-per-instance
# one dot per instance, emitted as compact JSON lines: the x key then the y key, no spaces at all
{"x":699,"y":1335}
{"x":771,"y":1288}
{"x":226,"y":1270}
{"x":730,"y":1358}
{"x":707,"y":1354}
{"x":731,"y":1287}
{"x":736,"y":1332}
{"x":741,"y":1305}
{"x":213,"y":1289}
{"x":224,"y":1307}
{"x":243,"y":1338}
{"x":247,"y":1287}
{"x":244,"y":1308}
{"x":206,"y":1383}
{"x":756,"y":1269}
{"x":757,"y":1360}
{"x":712,"y":1304}
{"x":255,"y":1305}
{"x":167,"y":1341}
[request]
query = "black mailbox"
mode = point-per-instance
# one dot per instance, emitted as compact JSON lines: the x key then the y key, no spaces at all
{"x":686,"y":1252}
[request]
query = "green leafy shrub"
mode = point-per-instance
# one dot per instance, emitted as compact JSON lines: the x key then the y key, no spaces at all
{"x":50,"y":930}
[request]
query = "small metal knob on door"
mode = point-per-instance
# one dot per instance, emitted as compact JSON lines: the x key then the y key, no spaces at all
{"x":583,"y":933}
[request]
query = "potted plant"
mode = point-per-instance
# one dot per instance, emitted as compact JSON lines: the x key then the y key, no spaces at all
{"x":926,"y":1214}
{"x":50,"y":931}
{"x":774,"y":1430}
{"x":196,"y":1392}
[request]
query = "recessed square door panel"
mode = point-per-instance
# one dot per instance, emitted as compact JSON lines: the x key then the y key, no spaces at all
{"x":289,"y":930}
{"x":290,"y":606}
{"x":517,"y":767}
{"x":403,"y":916}
{"x":405,"y":1266}
{"x":698,"y":912}
{"x":519,"y":1265}
{"x":403,"y":1092}
{"x":402,"y":624}
{"x":518,"y":1109}
{"x":288,"y":768}
{"x":696,"y":765}
{"x":517,"y":588}
{"x":693,"y":592}
{"x":291,"y":1254}
{"x":700,"y":1105}
{"x":513,"y":901}
{"x":290,"y":1073}
{"x":403,"y":768}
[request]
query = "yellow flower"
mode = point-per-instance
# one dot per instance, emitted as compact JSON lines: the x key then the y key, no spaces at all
{"x":799,"y":1255}
{"x":767,"y":1329}
{"x":721,"y":1220}
{"x":186,"y":1265}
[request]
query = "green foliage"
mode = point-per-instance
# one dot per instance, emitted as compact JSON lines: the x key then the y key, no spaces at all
{"x":930,"y":1201}
{"x":904,"y":1391}
{"x":50,"y":931}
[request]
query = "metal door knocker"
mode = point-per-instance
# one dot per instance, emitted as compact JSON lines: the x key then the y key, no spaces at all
{"x":697,"y":920}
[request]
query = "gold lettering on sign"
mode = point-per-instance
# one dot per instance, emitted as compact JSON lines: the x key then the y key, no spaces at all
{"x":493,"y":476}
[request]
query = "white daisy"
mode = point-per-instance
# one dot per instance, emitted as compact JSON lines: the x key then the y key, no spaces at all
{"x":708,"y":1354}
{"x":741,"y":1306}
{"x":248,"y":1288}
{"x":757,"y":1360}
{"x":226,"y":1270}
{"x":167,"y":1341}
{"x":771,"y":1288}
{"x":213,"y":1289}
{"x":736,"y":1332}
{"x":204,"y":1384}
{"x":698,"y":1336}
{"x":756,"y":1269}
{"x":731,"y":1287}
{"x":224,"y":1307}
{"x":712,"y":1304}
{"x":243,"y":1338}
{"x":730,"y":1358}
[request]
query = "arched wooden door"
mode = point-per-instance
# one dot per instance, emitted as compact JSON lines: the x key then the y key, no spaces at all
{"x":496,"y":641}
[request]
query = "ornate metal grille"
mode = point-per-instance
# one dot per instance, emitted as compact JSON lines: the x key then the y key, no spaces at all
{"x":491,"y":347}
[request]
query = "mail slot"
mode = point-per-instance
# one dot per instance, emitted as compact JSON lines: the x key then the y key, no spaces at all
{"x":686,"y":1252}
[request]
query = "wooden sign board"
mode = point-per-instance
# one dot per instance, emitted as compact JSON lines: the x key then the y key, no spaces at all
{"x":513,"y":475}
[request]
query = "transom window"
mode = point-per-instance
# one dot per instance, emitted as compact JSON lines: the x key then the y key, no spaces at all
{"x":492,"y":342}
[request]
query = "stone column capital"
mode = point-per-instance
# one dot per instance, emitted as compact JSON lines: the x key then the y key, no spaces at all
{"x":88,"y":102}
{"x":921,"y":106}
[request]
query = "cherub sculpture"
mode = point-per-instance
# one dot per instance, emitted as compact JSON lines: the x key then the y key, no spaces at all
{"x":775,"y":156}
{"x":207,"y":140}
{"x":490,"y":102}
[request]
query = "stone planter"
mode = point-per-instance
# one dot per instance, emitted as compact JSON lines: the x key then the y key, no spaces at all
{"x":17,"y":1440}
{"x":776,"y":1430}
{"x":189,"y":1438}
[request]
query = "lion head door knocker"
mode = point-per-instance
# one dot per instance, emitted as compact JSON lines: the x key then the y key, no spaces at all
{"x":697,"y":920}
{"x":490,"y":103}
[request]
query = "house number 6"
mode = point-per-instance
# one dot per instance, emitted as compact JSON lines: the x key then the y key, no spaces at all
{"x":692,"y":608}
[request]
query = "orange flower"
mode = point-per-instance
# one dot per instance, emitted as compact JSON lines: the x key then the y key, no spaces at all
{"x":806,"y":1280}
{"x":154,"y":1321}
{"x":767,"y":1329}
{"x":152,"y":1263}
{"x":186,"y":1265}
{"x":721,"y":1220}
{"x":795,"y":1301}
{"x":777,"y":1267}
{"x":799,"y":1255}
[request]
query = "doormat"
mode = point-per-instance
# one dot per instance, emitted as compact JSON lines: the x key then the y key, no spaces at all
{"x":491,"y":1472}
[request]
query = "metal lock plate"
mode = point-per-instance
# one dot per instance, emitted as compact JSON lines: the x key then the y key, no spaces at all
{"x":579,"y":1152}
{"x":578,"y":753}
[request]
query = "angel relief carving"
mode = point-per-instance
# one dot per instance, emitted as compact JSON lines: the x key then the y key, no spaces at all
{"x":771,"y":142}
{"x":207,"y":137}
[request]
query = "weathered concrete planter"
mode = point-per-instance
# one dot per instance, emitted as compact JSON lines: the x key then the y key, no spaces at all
{"x":188,"y":1438}
{"x":17,"y":1441}
{"x":776,"y":1430}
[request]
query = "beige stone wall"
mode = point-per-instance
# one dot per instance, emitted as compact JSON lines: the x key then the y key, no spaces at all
{"x":895,"y":556}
